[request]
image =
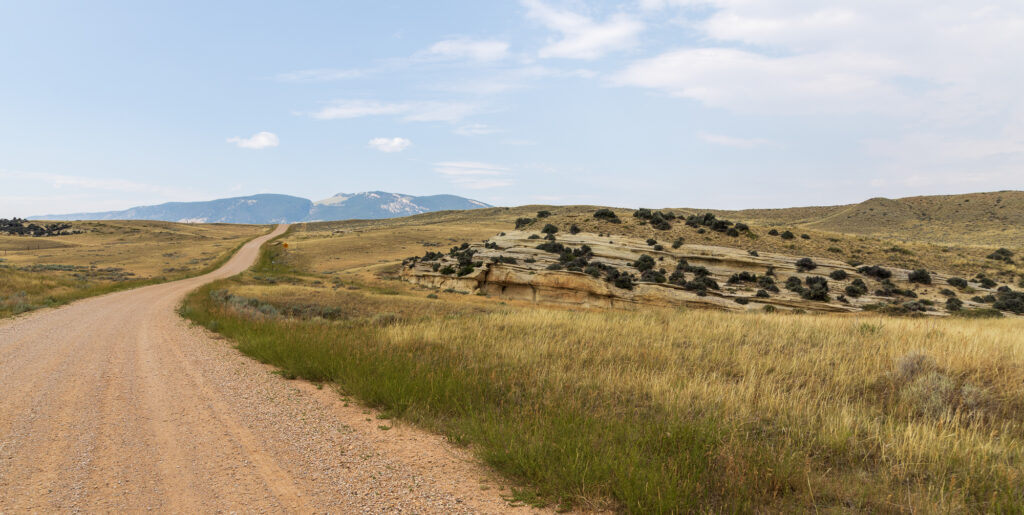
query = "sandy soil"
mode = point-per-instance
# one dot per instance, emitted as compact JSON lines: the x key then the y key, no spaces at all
{"x":117,"y":404}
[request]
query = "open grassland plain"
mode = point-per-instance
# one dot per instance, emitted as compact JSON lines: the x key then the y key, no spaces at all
{"x":101,"y":257}
{"x":653,"y":409}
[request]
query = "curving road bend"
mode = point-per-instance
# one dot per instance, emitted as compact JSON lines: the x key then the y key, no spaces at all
{"x":115,"y":403}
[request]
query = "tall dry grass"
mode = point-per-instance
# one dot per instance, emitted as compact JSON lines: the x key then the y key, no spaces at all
{"x":667,"y":411}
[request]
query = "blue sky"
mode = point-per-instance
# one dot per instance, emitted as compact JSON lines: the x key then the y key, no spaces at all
{"x":717,"y":103}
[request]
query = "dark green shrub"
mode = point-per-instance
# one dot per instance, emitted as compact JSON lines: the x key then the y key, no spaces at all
{"x":607,"y":215}
{"x":762,"y":294}
{"x":678,"y":243}
{"x":838,"y":275}
{"x":741,"y":300}
{"x":447,"y":270}
{"x":875,"y":271}
{"x":644,"y":263}
{"x":1002,"y":254}
{"x":817,"y":289}
{"x":1010,"y":301}
{"x":746,"y":277}
{"x":773,"y":232}
{"x":653,"y":276}
{"x":523,"y":222}
{"x":805,"y":236}
{"x":985,"y":282}
{"x":549,"y":229}
{"x":574,"y":229}
{"x":954,"y":304}
{"x":920,"y":276}
{"x":957,"y":282}
{"x":543,"y":214}
{"x":787,"y":235}
{"x":741,"y":226}
{"x":947,"y":292}
{"x":805,"y":264}
{"x":856,"y":288}
{"x":794,"y":284}
{"x":732,"y":232}
{"x":534,"y":237}
{"x":651,"y":241}
{"x":753,"y":253}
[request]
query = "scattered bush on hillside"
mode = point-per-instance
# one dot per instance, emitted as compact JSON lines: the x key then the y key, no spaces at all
{"x":985,"y":282}
{"x":920,"y":276}
{"x":543,"y":214}
{"x":794,"y":284}
{"x":856,"y":288}
{"x":741,"y":300}
{"x":549,"y":237}
{"x":549,"y":229}
{"x":875,"y":271}
{"x":1010,"y":301}
{"x":787,"y":235}
{"x":607,"y":215}
{"x":817,"y":289}
{"x":767,"y":283}
{"x":762,"y":294}
{"x":653,"y":276}
{"x":745,"y":277}
{"x":947,"y":292}
{"x":805,"y":264}
{"x":504,"y":259}
{"x":954,"y":304}
{"x":644,"y":263}
{"x":447,"y":270}
{"x":805,"y":236}
{"x":432,"y":256}
{"x":534,"y":237}
{"x":1002,"y":254}
{"x":838,"y":275}
{"x":773,"y":232}
{"x":979,"y":313}
{"x":957,"y":282}
{"x":732,"y":232}
{"x":677,"y":243}
{"x":651,"y":241}
{"x":740,"y":226}
{"x":753,"y":253}
{"x":574,"y":229}
{"x":523,"y":222}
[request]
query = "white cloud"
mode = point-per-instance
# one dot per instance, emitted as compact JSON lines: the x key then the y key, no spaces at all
{"x":390,"y":144}
{"x":414,"y":111}
{"x":751,"y":82}
{"x":473,"y":175}
{"x":475,"y":129}
{"x":582,"y":37}
{"x":318,"y":75}
{"x":256,"y":141}
{"x":474,"y":50}
{"x":729,"y":141}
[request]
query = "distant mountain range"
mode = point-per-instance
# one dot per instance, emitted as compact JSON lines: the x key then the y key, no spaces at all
{"x":270,"y":208}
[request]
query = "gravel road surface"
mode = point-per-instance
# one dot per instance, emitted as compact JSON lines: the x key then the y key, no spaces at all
{"x":115,"y":403}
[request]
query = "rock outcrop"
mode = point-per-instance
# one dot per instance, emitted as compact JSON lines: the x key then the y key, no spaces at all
{"x":511,"y":266}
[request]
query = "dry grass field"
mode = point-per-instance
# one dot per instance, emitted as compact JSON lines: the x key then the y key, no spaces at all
{"x":107,"y":256}
{"x":655,"y":410}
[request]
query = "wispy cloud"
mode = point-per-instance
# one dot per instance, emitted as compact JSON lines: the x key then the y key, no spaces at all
{"x":474,"y":129}
{"x":465,"y":48}
{"x":390,"y":144}
{"x":319,"y":75}
{"x":257,"y":141}
{"x":473,"y":175}
{"x":730,"y":141}
{"x":92,"y":183}
{"x":583,"y":37}
{"x":413,"y":111}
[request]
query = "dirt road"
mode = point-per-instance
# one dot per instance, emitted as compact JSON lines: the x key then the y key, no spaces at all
{"x":116,"y":404}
